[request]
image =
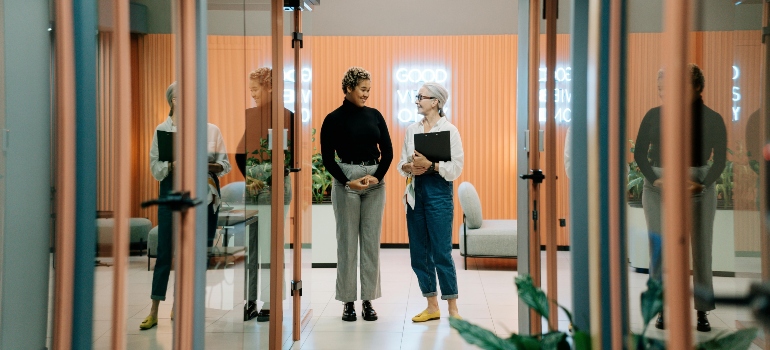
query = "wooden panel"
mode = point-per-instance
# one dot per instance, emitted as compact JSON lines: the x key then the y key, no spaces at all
{"x":106,"y":149}
{"x":562,"y":183}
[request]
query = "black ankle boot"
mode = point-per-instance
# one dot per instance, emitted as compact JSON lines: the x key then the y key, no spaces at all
{"x":703,"y":322}
{"x":349,"y":312}
{"x":249,"y":310}
{"x":263,"y":315}
{"x":368,"y":313}
{"x":659,"y":322}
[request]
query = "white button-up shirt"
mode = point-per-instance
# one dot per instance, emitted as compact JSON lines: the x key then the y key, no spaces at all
{"x":449,"y":170}
{"x":217,"y":153}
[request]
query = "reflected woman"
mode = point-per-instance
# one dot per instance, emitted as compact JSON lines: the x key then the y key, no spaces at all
{"x":258,"y":183}
{"x":163,"y":171}
{"x":709,"y":136}
{"x":429,"y":203}
{"x":360,"y":137}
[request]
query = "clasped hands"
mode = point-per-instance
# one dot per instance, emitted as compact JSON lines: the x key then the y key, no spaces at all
{"x":693,"y":186}
{"x":418,"y":166}
{"x":363,"y":182}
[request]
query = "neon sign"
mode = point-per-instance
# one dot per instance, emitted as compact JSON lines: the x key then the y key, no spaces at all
{"x":306,"y":75}
{"x":407,"y":81}
{"x":736,"y":94}
{"x":562,"y":93}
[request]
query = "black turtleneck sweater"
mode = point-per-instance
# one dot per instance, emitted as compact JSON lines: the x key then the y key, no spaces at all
{"x":709,"y":134}
{"x":355,"y":134}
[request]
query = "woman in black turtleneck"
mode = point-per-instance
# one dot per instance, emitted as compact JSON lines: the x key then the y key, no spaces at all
{"x":359,"y":136}
{"x":709,"y":136}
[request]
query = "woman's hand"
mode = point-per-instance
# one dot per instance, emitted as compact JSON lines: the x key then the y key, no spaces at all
{"x":407,"y":168}
{"x":695,"y":187}
{"x":216,"y":168}
{"x":253,"y":186}
{"x":658,"y":183}
{"x":420,"y":164}
{"x":359,"y":184}
{"x":371,"y":180}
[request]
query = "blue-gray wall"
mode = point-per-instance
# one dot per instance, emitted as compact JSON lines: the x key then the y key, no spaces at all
{"x":27,"y":230}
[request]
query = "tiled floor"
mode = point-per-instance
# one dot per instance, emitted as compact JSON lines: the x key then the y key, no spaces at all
{"x":487,"y":298}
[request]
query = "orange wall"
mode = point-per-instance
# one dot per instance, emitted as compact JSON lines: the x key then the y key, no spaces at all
{"x":482,"y":89}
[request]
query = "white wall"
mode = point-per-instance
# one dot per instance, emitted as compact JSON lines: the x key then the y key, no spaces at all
{"x":435,"y":17}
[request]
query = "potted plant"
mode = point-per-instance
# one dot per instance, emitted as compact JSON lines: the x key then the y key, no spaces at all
{"x":324,"y":225}
{"x":635,"y":182}
{"x":322,"y":179}
{"x":259,"y":166}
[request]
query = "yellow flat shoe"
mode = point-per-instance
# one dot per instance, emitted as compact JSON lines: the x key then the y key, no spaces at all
{"x":148,"y":323}
{"x":424,"y":316}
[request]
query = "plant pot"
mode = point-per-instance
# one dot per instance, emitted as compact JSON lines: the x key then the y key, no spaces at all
{"x":324,"y":236}
{"x":723,"y":247}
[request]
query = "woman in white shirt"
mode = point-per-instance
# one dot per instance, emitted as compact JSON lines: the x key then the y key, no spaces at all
{"x":163,"y":172}
{"x":429,"y":203}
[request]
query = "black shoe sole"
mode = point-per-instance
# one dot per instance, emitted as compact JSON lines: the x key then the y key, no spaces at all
{"x":263,"y":318}
{"x":703,"y":329}
{"x":372,"y":318}
{"x":349,"y":319}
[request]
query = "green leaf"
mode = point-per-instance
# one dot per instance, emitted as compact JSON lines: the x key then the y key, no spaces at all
{"x":554,"y":341}
{"x":652,"y":302}
{"x":569,"y":317}
{"x":738,"y":340}
{"x":581,"y":340}
{"x":633,"y":183}
{"x":479,"y":336}
{"x":643,"y":343}
{"x":532,"y":296}
{"x":524,"y":342}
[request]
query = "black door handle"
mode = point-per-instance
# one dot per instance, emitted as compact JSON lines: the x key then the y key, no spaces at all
{"x":536,"y":175}
{"x":176,"y":201}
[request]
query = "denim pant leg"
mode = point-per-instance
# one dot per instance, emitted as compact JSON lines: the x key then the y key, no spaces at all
{"x":420,"y":246}
{"x":211,"y":225}
{"x":439,"y":208}
{"x":165,"y":244}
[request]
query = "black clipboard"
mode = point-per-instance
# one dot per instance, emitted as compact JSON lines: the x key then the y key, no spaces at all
{"x":165,"y":146}
{"x":434,"y":146}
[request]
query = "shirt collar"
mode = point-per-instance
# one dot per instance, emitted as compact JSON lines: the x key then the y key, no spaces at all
{"x":170,"y":122}
{"x":441,"y":121}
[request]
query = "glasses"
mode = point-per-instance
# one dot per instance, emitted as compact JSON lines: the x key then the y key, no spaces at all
{"x":419,"y":98}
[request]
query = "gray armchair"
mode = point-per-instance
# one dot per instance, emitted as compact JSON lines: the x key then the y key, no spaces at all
{"x":483,"y":238}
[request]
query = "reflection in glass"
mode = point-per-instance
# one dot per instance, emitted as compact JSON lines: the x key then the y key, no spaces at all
{"x":163,"y":165}
{"x":726,"y":150}
{"x":255,"y":160}
{"x":709,"y":137}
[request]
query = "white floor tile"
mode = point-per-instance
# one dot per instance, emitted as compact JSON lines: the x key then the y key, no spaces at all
{"x":487,"y":298}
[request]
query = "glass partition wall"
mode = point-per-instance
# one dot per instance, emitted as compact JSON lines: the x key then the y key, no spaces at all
{"x":722,"y":83}
{"x":239,"y":132}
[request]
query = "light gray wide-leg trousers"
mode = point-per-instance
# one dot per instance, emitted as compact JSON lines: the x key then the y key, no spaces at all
{"x":704,"y":206}
{"x":359,"y":225}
